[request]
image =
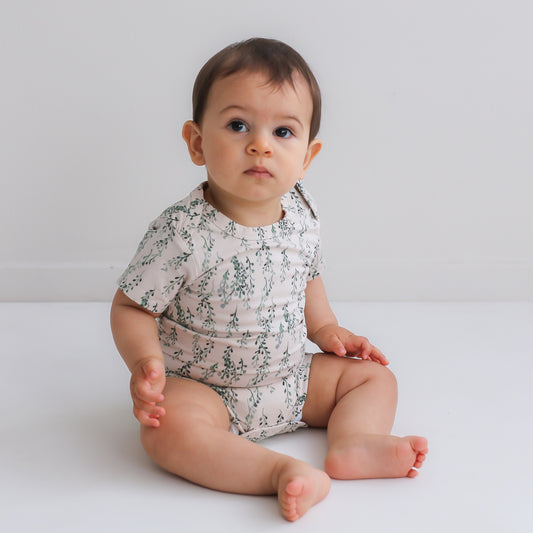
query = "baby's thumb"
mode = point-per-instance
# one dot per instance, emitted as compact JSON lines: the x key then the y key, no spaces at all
{"x":338,"y":347}
{"x":152,"y":370}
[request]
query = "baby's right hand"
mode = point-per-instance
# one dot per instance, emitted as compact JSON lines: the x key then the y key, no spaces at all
{"x":146,"y":387}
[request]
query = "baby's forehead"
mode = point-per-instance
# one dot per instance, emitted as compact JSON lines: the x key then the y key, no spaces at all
{"x":260,"y":79}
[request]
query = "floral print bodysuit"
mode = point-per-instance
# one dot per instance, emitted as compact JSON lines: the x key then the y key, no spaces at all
{"x":232,"y":302}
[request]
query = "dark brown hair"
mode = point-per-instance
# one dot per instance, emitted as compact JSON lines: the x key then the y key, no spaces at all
{"x":276,"y":59}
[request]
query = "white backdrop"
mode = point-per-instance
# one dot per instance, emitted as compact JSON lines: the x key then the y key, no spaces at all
{"x":424,"y":183}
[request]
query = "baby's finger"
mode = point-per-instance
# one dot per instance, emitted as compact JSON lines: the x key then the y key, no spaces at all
{"x":145,"y":419}
{"x":377,"y":356}
{"x":148,"y":407}
{"x":357,"y":346}
{"x":153,"y":371}
{"x":365,"y":348}
{"x":142,"y":388}
{"x":336,"y":346}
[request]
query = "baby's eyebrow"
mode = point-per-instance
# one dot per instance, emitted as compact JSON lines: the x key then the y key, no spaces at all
{"x":231,"y":107}
{"x":295,"y":118}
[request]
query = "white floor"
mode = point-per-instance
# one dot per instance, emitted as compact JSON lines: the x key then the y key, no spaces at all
{"x":71,"y":460}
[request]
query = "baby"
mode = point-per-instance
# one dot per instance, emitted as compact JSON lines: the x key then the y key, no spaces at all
{"x":212,"y":314}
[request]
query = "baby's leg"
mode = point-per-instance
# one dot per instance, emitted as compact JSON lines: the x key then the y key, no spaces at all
{"x":356,"y":400}
{"x":193,"y":442}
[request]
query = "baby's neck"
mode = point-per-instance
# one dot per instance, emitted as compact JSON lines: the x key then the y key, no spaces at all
{"x":250,"y":214}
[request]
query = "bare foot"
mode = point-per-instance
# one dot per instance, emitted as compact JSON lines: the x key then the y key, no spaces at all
{"x":376,"y":456}
{"x":300,"y":486}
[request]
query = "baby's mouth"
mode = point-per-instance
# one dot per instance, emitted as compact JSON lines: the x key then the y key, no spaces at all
{"x":258,"y":172}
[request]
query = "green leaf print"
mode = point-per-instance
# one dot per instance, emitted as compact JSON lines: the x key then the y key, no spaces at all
{"x":245,"y":337}
{"x":176,"y":263}
{"x":208,"y":373}
{"x":173,"y":286}
{"x":146,"y":298}
{"x":224,"y":290}
{"x":285,"y":265}
{"x":233,"y":324}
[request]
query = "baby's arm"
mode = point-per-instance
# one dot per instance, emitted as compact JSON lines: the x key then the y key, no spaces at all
{"x":324,"y":330}
{"x":136,"y":336}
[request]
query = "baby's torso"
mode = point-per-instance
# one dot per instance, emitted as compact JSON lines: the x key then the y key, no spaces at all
{"x":241,"y":322}
{"x":236,"y":295}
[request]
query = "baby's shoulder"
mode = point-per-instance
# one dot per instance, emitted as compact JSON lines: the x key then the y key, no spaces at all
{"x":189,"y":208}
{"x":175,"y":226}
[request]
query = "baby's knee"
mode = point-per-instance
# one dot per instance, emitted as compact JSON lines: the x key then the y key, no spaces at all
{"x":385,"y":375}
{"x":154,"y":441}
{"x":180,"y":431}
{"x":386,"y":371}
{"x":169,"y":444}
{"x":380,"y":373}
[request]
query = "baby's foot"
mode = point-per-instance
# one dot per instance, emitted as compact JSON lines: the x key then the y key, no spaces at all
{"x":300,"y":486}
{"x":376,"y":456}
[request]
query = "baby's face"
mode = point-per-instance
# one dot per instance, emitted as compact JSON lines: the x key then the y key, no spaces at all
{"x":254,"y":138}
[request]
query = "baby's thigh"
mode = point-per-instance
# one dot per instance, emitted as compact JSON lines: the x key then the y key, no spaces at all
{"x":191,"y":403}
{"x":193,"y":414}
{"x":324,"y":375}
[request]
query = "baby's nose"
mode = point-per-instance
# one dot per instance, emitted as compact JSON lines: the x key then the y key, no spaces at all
{"x":259,"y":145}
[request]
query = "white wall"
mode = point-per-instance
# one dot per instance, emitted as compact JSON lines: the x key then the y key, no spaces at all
{"x":424,"y":182}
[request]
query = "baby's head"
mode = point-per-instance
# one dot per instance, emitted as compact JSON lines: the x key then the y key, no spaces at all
{"x":276,"y":60}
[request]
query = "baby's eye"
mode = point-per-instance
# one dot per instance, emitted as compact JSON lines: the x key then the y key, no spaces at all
{"x":238,"y":126}
{"x":284,"y":133}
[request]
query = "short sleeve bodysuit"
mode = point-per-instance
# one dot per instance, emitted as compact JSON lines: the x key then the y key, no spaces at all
{"x":232,"y":302}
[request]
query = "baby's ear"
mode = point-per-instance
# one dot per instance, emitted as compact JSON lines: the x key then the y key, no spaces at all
{"x":312,"y":150}
{"x":193,"y":137}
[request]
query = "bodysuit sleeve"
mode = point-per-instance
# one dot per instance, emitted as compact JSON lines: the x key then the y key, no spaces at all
{"x":163,"y":262}
{"x":317,"y":263}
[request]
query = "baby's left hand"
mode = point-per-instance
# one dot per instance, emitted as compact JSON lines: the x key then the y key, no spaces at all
{"x":342,"y":342}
